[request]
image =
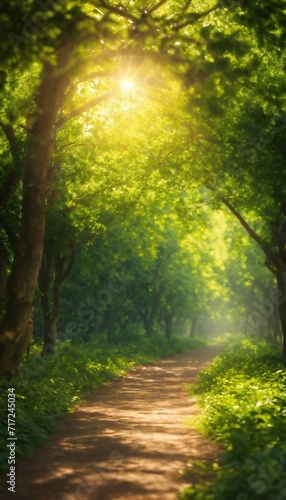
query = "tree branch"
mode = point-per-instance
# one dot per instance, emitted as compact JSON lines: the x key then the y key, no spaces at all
{"x":187,"y":4}
{"x":193,"y":17}
{"x":132,"y":51}
{"x":61,"y":274}
{"x":156,"y":7}
{"x":13,"y":178}
{"x":119,"y":10}
{"x":95,"y":74}
{"x":272,"y":259}
{"x":10,"y":135}
{"x":67,"y":209}
{"x":86,"y":107}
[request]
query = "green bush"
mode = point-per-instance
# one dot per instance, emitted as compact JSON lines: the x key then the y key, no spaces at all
{"x":243,"y":396}
{"x":50,"y":387}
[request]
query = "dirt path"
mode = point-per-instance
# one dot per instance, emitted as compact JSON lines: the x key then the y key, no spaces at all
{"x":128,"y":440}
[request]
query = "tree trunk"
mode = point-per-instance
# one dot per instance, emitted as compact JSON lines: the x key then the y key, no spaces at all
{"x":193,"y":326}
{"x":276,"y":262}
{"x":111,"y":315}
{"x":276,"y":327}
{"x":149,"y":316}
{"x":50,"y":323}
{"x":108,"y":326}
{"x":273,"y":326}
{"x":281,"y":301}
{"x":27,"y":259}
{"x":153,"y":314}
{"x":51,"y":312}
{"x":3,"y":275}
{"x":50,"y":336}
{"x":24,"y":343}
{"x":148,"y":325}
{"x":169,"y":318}
{"x":279,"y":236}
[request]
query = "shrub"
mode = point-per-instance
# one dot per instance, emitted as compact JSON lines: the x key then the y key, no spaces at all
{"x":243,"y":396}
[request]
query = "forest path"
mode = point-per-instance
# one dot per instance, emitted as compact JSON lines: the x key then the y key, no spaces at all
{"x":128,"y":440}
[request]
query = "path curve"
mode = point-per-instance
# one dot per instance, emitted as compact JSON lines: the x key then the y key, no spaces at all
{"x":126,"y":441}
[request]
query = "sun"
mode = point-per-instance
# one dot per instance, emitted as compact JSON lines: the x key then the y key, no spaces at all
{"x":127,"y":84}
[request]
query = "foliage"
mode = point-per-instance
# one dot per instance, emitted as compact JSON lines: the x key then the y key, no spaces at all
{"x":49,"y":387}
{"x":243,"y":395}
{"x":137,"y":268}
{"x":102,"y":149}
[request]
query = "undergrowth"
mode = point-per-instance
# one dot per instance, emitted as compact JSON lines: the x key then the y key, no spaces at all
{"x":243,"y":396}
{"x":50,"y":387}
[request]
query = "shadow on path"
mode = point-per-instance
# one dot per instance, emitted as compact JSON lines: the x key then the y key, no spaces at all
{"x":128,"y":440}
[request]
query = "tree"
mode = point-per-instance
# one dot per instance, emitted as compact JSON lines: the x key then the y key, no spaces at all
{"x":249,"y":139}
{"x":70,"y":41}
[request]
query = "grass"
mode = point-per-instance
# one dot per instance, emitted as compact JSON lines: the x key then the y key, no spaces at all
{"x":48,"y":388}
{"x":243,"y":400}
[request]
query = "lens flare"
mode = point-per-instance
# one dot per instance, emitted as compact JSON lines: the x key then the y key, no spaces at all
{"x":127,"y":84}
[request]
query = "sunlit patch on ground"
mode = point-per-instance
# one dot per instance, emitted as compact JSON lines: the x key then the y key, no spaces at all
{"x":127,"y":441}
